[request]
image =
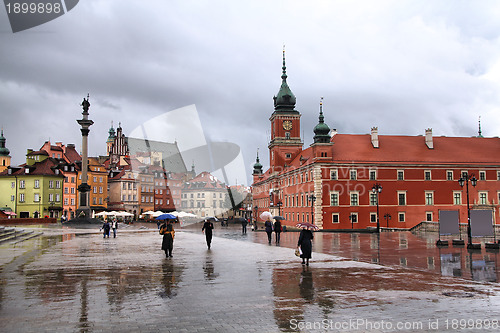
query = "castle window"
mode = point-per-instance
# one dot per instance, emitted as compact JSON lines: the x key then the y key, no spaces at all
{"x":354,"y":198}
{"x":287,"y":135}
{"x":427,"y":175}
{"x":482,"y":175}
{"x":401,"y":217}
{"x":449,"y":175}
{"x":483,"y":198}
{"x":288,"y":155}
{"x":401,"y":175}
{"x":429,"y":198}
{"x":402,"y":199}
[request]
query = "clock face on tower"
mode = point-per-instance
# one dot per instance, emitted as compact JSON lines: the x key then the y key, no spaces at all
{"x":287,"y":125}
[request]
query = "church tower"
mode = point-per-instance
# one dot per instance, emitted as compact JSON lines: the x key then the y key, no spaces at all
{"x":285,"y":142}
{"x":4,"y":154}
{"x":111,"y":139}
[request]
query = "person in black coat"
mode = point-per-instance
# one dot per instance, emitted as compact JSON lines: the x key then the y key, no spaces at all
{"x":106,"y":227}
{"x":269,"y":229}
{"x":168,"y":233}
{"x":277,"y":230}
{"x":208,"y":226}
{"x":305,"y":244}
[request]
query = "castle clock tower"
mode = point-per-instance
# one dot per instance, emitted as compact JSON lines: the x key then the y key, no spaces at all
{"x":285,"y":142}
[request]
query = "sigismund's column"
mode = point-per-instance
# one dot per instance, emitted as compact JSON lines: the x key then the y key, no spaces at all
{"x":83,"y":210}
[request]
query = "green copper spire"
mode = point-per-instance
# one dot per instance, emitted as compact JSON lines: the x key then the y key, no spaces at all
{"x":257,"y":167}
{"x":111,"y":132}
{"x":285,"y":100}
{"x":480,"y":135}
{"x":321,"y":131}
{"x":3,"y":150}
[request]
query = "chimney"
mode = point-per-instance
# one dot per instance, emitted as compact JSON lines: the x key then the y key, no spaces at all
{"x":375,"y":137}
{"x":428,"y":138}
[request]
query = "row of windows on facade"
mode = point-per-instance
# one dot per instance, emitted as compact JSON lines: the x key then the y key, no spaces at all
{"x":201,"y":204}
{"x":36,"y":197}
{"x":36,"y":184}
{"x":149,"y":189}
{"x":67,"y":179}
{"x":429,"y":198}
{"x":293,"y":201}
{"x":353,"y":175}
{"x":200,"y":195}
{"x":352,"y":217}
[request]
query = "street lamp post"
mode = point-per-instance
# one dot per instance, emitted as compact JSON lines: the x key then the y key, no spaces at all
{"x":464,"y":180}
{"x":377,"y":188}
{"x":312,"y":198}
{"x":279,"y":204}
{"x":351,"y":218}
{"x":387,"y":216}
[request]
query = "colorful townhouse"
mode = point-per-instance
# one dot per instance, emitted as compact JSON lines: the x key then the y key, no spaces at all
{"x":34,"y":189}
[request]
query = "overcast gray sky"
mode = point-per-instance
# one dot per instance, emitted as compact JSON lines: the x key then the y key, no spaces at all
{"x":400,"y":65}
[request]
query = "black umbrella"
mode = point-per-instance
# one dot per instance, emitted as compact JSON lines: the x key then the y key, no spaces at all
{"x":278,"y":218}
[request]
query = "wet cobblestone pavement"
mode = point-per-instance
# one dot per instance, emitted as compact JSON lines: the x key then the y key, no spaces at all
{"x":76,"y":281}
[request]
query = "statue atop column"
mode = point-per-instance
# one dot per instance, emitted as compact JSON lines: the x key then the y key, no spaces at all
{"x":86,"y":105}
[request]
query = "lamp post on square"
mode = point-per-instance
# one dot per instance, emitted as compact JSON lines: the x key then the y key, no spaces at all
{"x":377,"y":189}
{"x":387,"y":216}
{"x":464,"y":180}
{"x":312,"y":198}
{"x":279,"y":204}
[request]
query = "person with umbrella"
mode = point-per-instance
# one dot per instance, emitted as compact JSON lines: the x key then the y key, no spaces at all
{"x":268,"y":225}
{"x":278,"y":228}
{"x":208,"y":226}
{"x":305,"y":242}
{"x":167,"y":230}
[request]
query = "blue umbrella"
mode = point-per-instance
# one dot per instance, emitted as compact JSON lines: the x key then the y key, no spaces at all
{"x":166,"y":217}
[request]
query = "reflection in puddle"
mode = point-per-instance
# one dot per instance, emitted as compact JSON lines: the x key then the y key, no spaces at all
{"x":170,"y":279}
{"x":208,"y":268}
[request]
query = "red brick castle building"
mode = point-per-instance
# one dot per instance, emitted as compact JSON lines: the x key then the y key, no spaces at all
{"x":330,"y":183}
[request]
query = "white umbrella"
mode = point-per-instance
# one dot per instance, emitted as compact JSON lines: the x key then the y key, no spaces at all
{"x":266,"y":216}
{"x":156,"y":214}
{"x":149,"y":212}
{"x":184,"y":214}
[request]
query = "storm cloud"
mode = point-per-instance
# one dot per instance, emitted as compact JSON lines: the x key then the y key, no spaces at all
{"x":400,"y":65}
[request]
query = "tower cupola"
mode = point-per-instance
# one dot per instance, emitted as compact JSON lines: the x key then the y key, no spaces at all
{"x":321,"y":131}
{"x":3,"y":150}
{"x":257,"y":167}
{"x":285,"y":99}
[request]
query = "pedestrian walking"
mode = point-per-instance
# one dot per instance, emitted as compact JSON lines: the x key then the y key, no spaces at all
{"x":208,"y":226}
{"x":244,"y":223}
{"x":269,"y":229}
{"x":114,"y":226}
{"x":305,"y":243}
{"x":277,"y":230}
{"x":105,"y":227}
{"x":167,"y":245}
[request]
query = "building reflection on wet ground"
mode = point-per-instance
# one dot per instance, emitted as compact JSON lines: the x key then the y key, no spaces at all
{"x":403,"y":248}
{"x":82,"y":282}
